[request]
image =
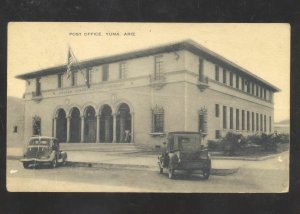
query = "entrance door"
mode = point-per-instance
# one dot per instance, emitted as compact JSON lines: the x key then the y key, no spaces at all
{"x":75,"y":126}
{"x":123,"y":124}
{"x":106,"y":125}
{"x":90,"y":125}
{"x":61,"y":126}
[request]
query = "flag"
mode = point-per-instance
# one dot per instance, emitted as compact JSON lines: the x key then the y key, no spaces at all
{"x":71,"y":60}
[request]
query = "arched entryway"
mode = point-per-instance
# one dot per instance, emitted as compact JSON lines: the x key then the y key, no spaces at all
{"x":90,"y":124}
{"x":123,"y":126}
{"x":106,"y":124}
{"x":75,"y":125}
{"x":61,"y":125}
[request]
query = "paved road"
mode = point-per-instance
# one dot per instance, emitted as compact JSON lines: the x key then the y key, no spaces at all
{"x":254,"y":176}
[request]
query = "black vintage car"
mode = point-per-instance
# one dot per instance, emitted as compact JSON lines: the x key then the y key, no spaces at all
{"x":184,"y":151}
{"x":43,"y":150}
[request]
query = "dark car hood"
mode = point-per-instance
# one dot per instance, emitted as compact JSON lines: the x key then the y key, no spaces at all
{"x":37,"y":151}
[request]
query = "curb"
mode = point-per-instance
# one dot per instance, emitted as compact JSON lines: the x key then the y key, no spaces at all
{"x":217,"y":172}
{"x":246,"y":158}
{"x":110,"y":165}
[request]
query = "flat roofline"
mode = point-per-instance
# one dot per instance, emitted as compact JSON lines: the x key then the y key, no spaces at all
{"x":188,"y":44}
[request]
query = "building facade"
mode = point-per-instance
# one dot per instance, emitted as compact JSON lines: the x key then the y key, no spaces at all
{"x":140,"y":96}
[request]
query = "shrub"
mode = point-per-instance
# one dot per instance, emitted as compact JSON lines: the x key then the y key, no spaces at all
{"x":254,"y":139}
{"x":232,"y":143}
{"x":215,"y":145}
{"x":268,"y":142}
{"x":282,"y":138}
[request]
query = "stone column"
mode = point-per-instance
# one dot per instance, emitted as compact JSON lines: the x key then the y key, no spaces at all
{"x":98,"y":129}
{"x":132,"y":128}
{"x":82,"y":129}
{"x":114,"y":127}
{"x":54,"y":126}
{"x":68,"y":129}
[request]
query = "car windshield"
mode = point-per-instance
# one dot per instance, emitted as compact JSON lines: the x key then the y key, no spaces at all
{"x":39,"y":142}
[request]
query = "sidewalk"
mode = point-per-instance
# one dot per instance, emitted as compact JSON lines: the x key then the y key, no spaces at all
{"x":121,"y":160}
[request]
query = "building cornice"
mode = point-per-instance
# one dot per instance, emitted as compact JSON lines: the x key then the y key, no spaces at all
{"x":189,"y":45}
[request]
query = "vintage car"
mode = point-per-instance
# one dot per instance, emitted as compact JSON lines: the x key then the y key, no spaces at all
{"x":43,"y":150}
{"x":184,"y":151}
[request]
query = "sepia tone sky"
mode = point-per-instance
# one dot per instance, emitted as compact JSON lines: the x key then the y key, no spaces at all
{"x":263,"y":49}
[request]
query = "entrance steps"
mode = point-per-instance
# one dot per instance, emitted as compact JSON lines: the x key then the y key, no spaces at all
{"x":101,"y":147}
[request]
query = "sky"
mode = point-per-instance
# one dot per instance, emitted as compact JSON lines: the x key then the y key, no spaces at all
{"x":263,"y":49}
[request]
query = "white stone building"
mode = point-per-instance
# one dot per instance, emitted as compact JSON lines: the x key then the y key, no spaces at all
{"x":141,"y":95}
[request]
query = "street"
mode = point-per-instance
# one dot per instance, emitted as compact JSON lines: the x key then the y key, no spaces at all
{"x":253,"y":176}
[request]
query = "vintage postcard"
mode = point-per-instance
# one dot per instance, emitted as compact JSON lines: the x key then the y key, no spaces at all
{"x":148,"y":107}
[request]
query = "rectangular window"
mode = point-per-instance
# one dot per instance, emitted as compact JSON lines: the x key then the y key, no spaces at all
{"x":253,"y":122}
{"x":218,"y":134}
{"x":231,"y":79}
{"x":158,"y":120}
{"x":256,"y":90}
{"x":217,"y":110}
{"x":158,"y":67}
{"x":60,"y":80}
{"x":88,"y":76}
{"x":265,"y":93}
{"x":237,"y":119}
{"x":270,"y":124}
{"x":36,"y":128}
{"x":248,"y":121}
{"x":231,"y":118}
{"x":265,"y":123}
{"x":15,"y":129}
{"x":38,"y":87}
{"x":243,"y":84}
{"x":105,"y":72}
{"x":224,"y":76}
{"x":237,"y":85}
{"x":122,"y":70}
{"x":261,"y":122}
{"x":202,"y":120}
{"x":224,"y":117}
{"x":243,"y":120}
{"x":201,"y":74}
{"x":253,"y":88}
{"x":73,"y":78}
{"x":261,"y":92}
{"x":217,"y":73}
{"x":248,"y":86}
{"x":257,"y":122}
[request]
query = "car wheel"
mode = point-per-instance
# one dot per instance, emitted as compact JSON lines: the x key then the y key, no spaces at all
{"x":25,"y":165}
{"x":171,"y":172}
{"x":206,"y":174}
{"x":54,"y":163}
